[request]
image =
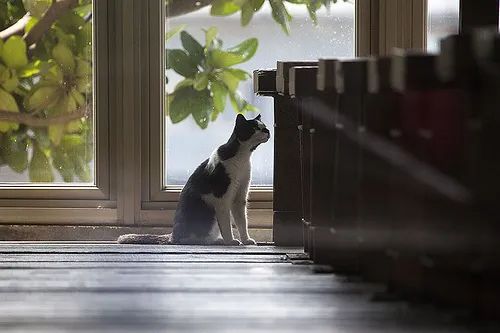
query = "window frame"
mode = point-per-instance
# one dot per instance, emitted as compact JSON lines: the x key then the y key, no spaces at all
{"x":101,"y":190}
{"x":260,"y":196}
{"x":128,"y":48}
{"x":43,"y":202}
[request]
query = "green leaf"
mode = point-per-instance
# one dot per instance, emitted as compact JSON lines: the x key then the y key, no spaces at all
{"x":73,"y":126}
{"x":77,"y":96}
{"x":41,"y":137}
{"x":31,"y":23}
{"x":235,"y":55}
{"x":33,"y":68}
{"x":83,"y":69}
{"x":190,"y":101}
{"x":312,"y":13}
{"x":84,"y":10}
{"x":210,"y":36}
{"x":239,"y":104}
{"x":230,"y":80}
{"x":280,"y":14}
{"x":219,"y":96}
{"x":40,"y":170}
{"x":8,"y":103}
{"x":201,"y":81}
{"x":247,"y":11}
{"x":192,"y":46}
{"x":8,"y":79}
{"x":245,"y":49}
{"x":239,"y":73}
{"x":15,"y":153}
{"x":82,"y":170}
{"x":223,"y":8}
{"x":64,"y":57}
{"x":174,"y":31}
{"x":248,"y":8}
{"x":84,"y":42}
{"x":62,"y":163}
{"x":184,"y":83}
{"x":36,"y":7}
{"x":257,"y":4}
{"x":71,"y":22}
{"x":43,"y":98}
{"x":178,"y":108}
{"x":180,"y":62}
{"x":14,"y":53}
{"x":56,"y":133}
{"x":66,"y":104}
{"x":54,"y":74}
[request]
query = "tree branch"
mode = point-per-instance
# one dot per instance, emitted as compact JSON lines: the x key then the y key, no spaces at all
{"x":30,"y":120}
{"x":17,"y":28}
{"x":55,"y":11}
{"x":181,"y":7}
{"x":60,"y":7}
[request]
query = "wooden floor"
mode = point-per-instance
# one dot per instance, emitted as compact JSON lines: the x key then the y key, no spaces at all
{"x":103,"y":287}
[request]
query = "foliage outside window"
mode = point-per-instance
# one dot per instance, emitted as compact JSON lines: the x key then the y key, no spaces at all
{"x":210,"y":72}
{"x":46,"y":111}
{"x":46,"y":128}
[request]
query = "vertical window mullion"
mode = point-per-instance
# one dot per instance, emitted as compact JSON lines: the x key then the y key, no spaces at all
{"x":128,"y":109}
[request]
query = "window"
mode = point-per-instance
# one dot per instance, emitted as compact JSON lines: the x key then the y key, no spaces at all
{"x":47,"y":92}
{"x":187,"y":144}
{"x":131,"y":158}
{"x":54,"y":132}
{"x":442,"y":20}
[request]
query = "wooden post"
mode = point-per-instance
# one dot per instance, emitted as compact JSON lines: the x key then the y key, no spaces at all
{"x":478,"y":13}
{"x":323,"y":143}
{"x":303,"y":89}
{"x":350,"y":85}
{"x":377,"y":221}
{"x":287,"y":226}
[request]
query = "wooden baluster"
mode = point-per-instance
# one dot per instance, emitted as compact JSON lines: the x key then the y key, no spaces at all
{"x":376,"y":187}
{"x":323,"y":143}
{"x":433,"y":127}
{"x":413,"y":77}
{"x":287,"y":226}
{"x":303,"y":89}
{"x":351,"y":86}
{"x":487,"y":182}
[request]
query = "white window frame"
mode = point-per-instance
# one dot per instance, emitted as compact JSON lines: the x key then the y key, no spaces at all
{"x":92,"y":204}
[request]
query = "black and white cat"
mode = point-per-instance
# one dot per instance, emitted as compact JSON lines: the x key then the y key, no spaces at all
{"x":215,"y":191}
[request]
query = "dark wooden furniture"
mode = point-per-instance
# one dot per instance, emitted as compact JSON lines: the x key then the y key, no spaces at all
{"x":305,"y":98}
{"x":399,"y":168}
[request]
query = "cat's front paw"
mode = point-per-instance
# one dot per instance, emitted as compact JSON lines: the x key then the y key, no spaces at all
{"x":249,"y":241}
{"x":232,"y":242}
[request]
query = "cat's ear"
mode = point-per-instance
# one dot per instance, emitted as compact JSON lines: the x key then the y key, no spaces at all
{"x":240,"y":119}
{"x":257,"y":118}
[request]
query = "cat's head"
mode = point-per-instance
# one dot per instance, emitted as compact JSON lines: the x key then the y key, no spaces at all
{"x":251,"y":132}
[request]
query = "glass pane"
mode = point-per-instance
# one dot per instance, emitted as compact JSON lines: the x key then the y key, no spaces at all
{"x":46,"y":111}
{"x":443,"y":20}
{"x":187,"y":144}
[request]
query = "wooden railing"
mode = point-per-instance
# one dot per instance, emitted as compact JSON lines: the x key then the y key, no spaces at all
{"x":390,"y":167}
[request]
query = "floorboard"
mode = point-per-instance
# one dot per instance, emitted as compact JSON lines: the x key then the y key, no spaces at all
{"x":105,"y":287}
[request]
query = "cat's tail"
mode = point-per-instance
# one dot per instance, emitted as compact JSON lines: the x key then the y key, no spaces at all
{"x":144,"y":239}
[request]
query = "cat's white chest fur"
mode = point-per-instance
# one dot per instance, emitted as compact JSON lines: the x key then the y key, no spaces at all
{"x":232,"y":203}
{"x":238,"y":169}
